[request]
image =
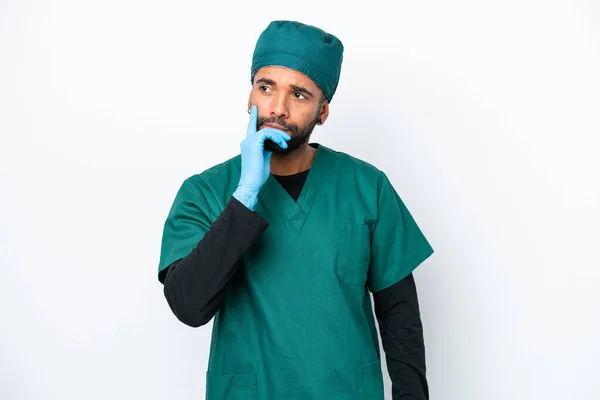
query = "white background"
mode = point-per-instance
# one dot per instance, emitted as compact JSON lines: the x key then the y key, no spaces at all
{"x":485,"y":116}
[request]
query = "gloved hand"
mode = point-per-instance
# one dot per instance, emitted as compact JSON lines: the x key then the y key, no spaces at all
{"x":256,"y":161}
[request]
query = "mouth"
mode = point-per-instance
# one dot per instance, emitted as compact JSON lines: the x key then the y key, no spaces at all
{"x":275,"y":126}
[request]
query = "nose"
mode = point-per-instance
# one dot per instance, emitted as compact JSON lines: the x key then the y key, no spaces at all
{"x":279,"y":106}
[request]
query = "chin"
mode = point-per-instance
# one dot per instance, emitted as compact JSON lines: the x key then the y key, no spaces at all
{"x":274,"y":147}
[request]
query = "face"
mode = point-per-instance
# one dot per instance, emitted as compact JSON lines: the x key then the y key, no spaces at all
{"x":289,"y":101}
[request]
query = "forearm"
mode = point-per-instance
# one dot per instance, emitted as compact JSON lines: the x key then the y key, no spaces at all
{"x":195,"y":285}
{"x":401,"y":330}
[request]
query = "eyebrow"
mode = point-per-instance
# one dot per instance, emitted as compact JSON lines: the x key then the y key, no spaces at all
{"x":266,"y":81}
{"x":296,"y":88}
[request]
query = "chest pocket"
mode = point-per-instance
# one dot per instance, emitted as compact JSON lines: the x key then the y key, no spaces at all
{"x":353,"y":253}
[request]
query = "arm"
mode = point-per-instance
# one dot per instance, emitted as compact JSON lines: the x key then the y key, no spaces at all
{"x":200,"y":255}
{"x":398,"y":314}
{"x":195,"y":285}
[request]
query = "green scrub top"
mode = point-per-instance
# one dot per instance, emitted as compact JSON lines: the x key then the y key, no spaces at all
{"x":297,"y":322}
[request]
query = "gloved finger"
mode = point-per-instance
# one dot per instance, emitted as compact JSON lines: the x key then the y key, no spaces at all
{"x":279,"y":132}
{"x":275,"y":135}
{"x":253,"y":121}
{"x":279,"y":137}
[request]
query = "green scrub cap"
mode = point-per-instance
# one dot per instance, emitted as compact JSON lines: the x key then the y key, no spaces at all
{"x":305,"y":48}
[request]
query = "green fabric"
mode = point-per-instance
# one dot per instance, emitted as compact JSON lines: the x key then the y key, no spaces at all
{"x":297,"y":321}
{"x":305,"y":48}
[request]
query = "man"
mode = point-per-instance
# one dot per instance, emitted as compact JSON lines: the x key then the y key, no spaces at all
{"x":282,"y":243}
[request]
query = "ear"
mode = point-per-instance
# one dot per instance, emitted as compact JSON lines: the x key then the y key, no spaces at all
{"x":323,"y":113}
{"x":250,"y":100}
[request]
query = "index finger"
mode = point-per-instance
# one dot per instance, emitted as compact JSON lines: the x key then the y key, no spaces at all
{"x":253,"y":120}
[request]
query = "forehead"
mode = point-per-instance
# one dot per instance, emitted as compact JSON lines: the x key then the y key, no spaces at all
{"x":285,"y":76}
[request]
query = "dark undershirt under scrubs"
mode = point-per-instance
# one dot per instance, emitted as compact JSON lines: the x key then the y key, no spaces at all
{"x":194,"y":287}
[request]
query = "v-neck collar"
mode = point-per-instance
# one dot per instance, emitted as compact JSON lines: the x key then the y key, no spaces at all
{"x":273,"y":194}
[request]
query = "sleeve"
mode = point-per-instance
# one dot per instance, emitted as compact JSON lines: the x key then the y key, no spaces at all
{"x":397,"y":244}
{"x":187,"y":222}
{"x":195,"y":285}
{"x":399,"y":317}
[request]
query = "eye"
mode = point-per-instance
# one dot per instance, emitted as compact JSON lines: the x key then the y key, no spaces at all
{"x":299,"y":96}
{"x":264,"y":88}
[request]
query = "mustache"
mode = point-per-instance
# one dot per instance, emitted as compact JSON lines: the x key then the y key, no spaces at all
{"x":278,"y":121}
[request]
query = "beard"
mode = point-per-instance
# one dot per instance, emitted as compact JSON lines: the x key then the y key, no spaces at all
{"x":299,"y":135}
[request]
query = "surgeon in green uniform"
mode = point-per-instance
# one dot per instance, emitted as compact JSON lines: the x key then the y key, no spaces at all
{"x":294,"y":319}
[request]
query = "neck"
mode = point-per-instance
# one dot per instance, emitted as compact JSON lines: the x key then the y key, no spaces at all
{"x":292,"y":163}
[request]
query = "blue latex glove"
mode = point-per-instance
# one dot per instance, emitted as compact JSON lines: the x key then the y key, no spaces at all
{"x":256,"y":161}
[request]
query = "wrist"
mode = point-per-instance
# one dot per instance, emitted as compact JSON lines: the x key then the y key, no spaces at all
{"x":245,"y":196}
